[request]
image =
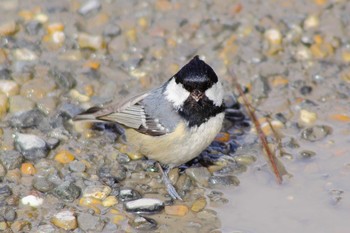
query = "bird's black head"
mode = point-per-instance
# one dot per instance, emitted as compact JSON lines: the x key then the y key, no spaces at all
{"x":196,"y":75}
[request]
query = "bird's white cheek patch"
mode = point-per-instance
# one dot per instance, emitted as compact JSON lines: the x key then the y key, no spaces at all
{"x":175,"y":93}
{"x":216,"y":93}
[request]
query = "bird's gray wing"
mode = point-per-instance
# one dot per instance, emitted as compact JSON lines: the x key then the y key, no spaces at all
{"x":130,"y":113}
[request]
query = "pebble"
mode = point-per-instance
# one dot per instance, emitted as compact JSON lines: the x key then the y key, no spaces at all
{"x":9,"y":87}
{"x":33,"y":27}
{"x":316,"y":133}
{"x":199,"y":204}
{"x":65,"y":219}
{"x":11,"y":159}
{"x":27,"y":119}
{"x":18,"y":104}
{"x":91,"y":203}
{"x":144,"y":206}
{"x":94,"y":42}
{"x":4,"y":105}
{"x":112,"y":30}
{"x":91,"y":6}
{"x":21,"y":226}
{"x":312,"y":21}
{"x":28,"y":169}
{"x":77,"y":166}
{"x":99,"y":192}
{"x":245,"y":159}
{"x":110,"y":201}
{"x":113,"y":170}
{"x":31,"y":146}
{"x":215,"y":181}
{"x":32,"y":201}
{"x":306,"y":154}
{"x":144,"y":223}
{"x":128,"y":194}
{"x":5,"y":191}
{"x":64,"y":157}
{"x":307,"y":117}
{"x":176,"y":210}
{"x":24,"y":54}
{"x":199,"y":174}
{"x":10,"y":214}
{"x":46,"y":229}
{"x":88,"y":222}
{"x":47,"y":105}
{"x":2,"y":172}
{"x":8,"y":28}
{"x":64,"y":79}
{"x":42,"y":184}
{"x":305,"y":90}
{"x":183,"y":184}
{"x":67,"y":191}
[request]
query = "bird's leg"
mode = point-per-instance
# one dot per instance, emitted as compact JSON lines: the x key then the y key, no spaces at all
{"x":170,"y":188}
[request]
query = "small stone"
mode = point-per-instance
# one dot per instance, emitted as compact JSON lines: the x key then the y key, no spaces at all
{"x":99,"y":192}
{"x":65,"y":220}
{"x":91,"y":203}
{"x":215,"y":181}
{"x":88,"y":222}
{"x":14,"y":176}
{"x":3,"y":226}
{"x":64,"y":157}
{"x":127,"y":194}
{"x":118,"y":218}
{"x":306,"y":154}
{"x":312,"y":21}
{"x":64,"y":79}
{"x":4,"y":105}
{"x":316,"y":133}
{"x":32,"y":200}
{"x":144,"y":224}
{"x":305,"y":90}
{"x":27,"y":119}
{"x":260,"y":87}
{"x":47,"y":105}
{"x":2,"y":172}
{"x":183,"y":184}
{"x":9,"y":87}
{"x":199,"y":174}
{"x":67,"y":191}
{"x":10,"y":214}
{"x":307,"y":117}
{"x":21,"y":226}
{"x":28,"y":169}
{"x":112,"y":30}
{"x":11,"y":159}
{"x":46,"y":229}
{"x":5,"y":191}
{"x":144,"y":206}
{"x":91,"y":6}
{"x":245,"y":159}
{"x":31,"y":146}
{"x":8,"y":28}
{"x":52,"y":143}
{"x":77,"y":166}
{"x":199,"y":205}
{"x":93,"y":42}
{"x":38,"y":88}
{"x":110,"y":201}
{"x":33,"y":27}
{"x":42,"y":184}
{"x":113,"y":171}
{"x":173,"y":175}
{"x":176,"y":210}
{"x":19,"y":104}
{"x":25,"y":54}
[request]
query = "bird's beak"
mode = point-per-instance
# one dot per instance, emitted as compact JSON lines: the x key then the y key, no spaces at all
{"x":197,"y":95}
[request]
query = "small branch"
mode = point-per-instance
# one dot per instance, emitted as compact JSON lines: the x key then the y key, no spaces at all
{"x":262,"y":136}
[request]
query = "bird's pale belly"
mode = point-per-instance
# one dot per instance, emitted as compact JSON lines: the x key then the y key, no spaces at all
{"x":179,"y":146}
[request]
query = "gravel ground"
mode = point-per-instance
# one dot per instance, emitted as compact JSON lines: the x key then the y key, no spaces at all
{"x":58,"y":58}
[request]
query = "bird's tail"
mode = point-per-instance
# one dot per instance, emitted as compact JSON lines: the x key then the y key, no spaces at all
{"x":88,"y":115}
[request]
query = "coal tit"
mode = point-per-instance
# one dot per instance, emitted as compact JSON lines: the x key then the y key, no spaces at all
{"x":173,"y":123}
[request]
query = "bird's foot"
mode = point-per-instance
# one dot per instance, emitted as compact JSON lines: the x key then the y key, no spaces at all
{"x":170,"y":188}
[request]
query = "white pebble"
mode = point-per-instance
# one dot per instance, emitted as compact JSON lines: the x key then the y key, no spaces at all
{"x":32,"y":201}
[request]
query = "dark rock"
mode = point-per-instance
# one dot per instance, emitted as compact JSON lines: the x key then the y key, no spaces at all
{"x":305,"y":90}
{"x":316,"y":133}
{"x":306,"y":154}
{"x":28,"y":119}
{"x":144,"y":206}
{"x":52,"y":143}
{"x":11,"y":159}
{"x":144,"y":223}
{"x":127,"y":194}
{"x":67,"y":192}
{"x":113,"y":170}
{"x":10,"y":214}
{"x":68,"y":110}
{"x":5,"y":191}
{"x":5,"y":73}
{"x":63,"y":79}
{"x":33,"y":27}
{"x":31,"y":146}
{"x":112,"y":30}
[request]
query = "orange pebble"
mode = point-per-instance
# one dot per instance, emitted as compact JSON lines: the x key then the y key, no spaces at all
{"x":64,"y":157}
{"x":340,"y":117}
{"x":222,"y":137}
{"x":177,"y":210}
{"x":28,"y":169}
{"x":93,"y":64}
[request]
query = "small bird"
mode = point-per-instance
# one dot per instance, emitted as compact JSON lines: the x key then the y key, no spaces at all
{"x":173,"y":123}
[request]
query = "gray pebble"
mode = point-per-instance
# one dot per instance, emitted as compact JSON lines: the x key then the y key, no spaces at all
{"x":67,"y":191}
{"x":31,"y":118}
{"x":260,"y":87}
{"x":69,"y":110}
{"x":306,"y":154}
{"x":10,"y":214}
{"x":144,"y":206}
{"x":77,"y":166}
{"x":113,"y":170}
{"x":42,"y":184}
{"x":223,"y":181}
{"x":2,"y":172}
{"x":112,"y":30}
{"x":88,"y":222}
{"x":199,"y":174}
{"x":127,"y":194}
{"x":144,"y":223}
{"x":46,"y":229}
{"x":11,"y":159}
{"x":183,"y":184}
{"x":5,"y":191}
{"x":63,"y":79}
{"x":316,"y":133}
{"x":31,"y":146}
{"x":33,"y":27}
{"x":52,"y":143}
{"x":91,"y":6}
